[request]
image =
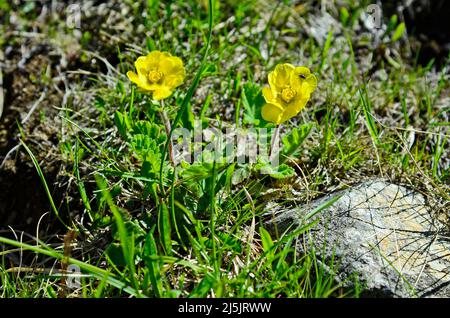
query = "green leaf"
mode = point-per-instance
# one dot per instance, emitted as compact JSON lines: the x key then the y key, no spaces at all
{"x":398,"y":32}
{"x":122,"y":124}
{"x":164,"y":228}
{"x":200,"y":170}
{"x":326,"y":48}
{"x":322,"y":206}
{"x":153,"y":265}
{"x":228,"y":242}
{"x":240,"y":175}
{"x":344,"y":16}
{"x":78,"y":153}
{"x":145,"y":148}
{"x":204,"y":287}
{"x":115,"y":253}
{"x":367,"y":109}
{"x":4,"y":5}
{"x":282,"y":171}
{"x":152,"y":130}
{"x":391,"y":25}
{"x":44,"y":182}
{"x":268,"y":245}
{"x":197,"y":171}
{"x":253,"y":101}
{"x":293,"y":141}
{"x":266,"y":240}
{"x":188,"y":118}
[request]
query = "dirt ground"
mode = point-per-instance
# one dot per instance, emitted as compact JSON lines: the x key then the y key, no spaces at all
{"x":38,"y":73}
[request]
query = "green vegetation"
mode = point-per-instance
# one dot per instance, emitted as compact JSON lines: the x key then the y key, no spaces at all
{"x":147,"y":229}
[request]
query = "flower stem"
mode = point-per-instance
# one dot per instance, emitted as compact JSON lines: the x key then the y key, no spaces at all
{"x":274,"y":140}
{"x":167,"y":127}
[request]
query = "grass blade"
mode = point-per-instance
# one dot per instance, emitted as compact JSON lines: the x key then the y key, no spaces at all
{"x":44,"y":182}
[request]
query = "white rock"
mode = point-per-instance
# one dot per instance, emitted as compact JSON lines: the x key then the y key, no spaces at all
{"x":385,"y":235}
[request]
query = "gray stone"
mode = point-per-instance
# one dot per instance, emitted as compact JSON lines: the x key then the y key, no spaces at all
{"x":382,"y":233}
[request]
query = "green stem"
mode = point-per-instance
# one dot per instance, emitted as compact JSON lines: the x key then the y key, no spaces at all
{"x":274,"y":140}
{"x":168,"y":128}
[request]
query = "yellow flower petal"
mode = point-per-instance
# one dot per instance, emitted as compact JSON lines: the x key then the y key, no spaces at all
{"x":132,"y":76}
{"x":153,"y":59}
{"x":280,"y":77}
{"x":272,"y":113}
{"x":175,"y":80}
{"x":143,"y":80}
{"x":302,"y":71}
{"x":162,"y":92}
{"x":140,"y":80}
{"x":268,"y":94}
{"x":309,"y":84}
{"x":158,"y":72}
{"x":296,"y":83}
{"x":294,"y":108}
{"x":174,"y":70}
{"x":298,"y":78}
{"x":171,"y":64}
{"x":143,"y":64}
{"x":289,"y":92}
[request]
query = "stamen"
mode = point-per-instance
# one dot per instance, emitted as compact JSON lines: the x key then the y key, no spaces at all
{"x":155,"y":76}
{"x":288,"y":94}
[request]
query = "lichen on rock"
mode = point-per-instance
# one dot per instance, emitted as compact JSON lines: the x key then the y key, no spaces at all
{"x":384,"y":234}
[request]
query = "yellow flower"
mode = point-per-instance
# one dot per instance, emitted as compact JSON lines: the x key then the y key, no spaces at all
{"x":159,"y":73}
{"x":289,"y":91}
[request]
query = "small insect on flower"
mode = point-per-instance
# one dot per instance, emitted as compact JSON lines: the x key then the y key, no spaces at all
{"x":289,"y":91}
{"x":159,"y":73}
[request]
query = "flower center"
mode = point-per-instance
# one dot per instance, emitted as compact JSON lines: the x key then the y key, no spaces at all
{"x":155,"y":76}
{"x":288,"y":94}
